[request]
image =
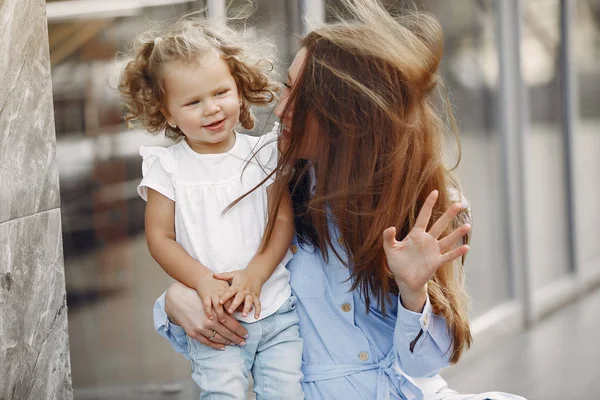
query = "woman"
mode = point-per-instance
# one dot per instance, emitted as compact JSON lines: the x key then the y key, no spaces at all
{"x":378,"y":316}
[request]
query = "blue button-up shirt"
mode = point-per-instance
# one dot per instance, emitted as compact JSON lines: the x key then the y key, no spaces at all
{"x":350,"y":353}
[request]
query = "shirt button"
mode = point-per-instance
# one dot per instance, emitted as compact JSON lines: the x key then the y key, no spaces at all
{"x":294,"y":249}
{"x":363,"y":355}
{"x":346,"y":307}
{"x":340,"y":240}
{"x":425,"y":319}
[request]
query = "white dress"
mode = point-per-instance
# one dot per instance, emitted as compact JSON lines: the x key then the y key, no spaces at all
{"x":202,"y":186}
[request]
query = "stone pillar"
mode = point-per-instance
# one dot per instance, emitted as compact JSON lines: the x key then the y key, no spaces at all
{"x":34,"y":345}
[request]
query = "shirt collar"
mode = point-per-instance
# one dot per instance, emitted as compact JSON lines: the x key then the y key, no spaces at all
{"x":312,"y":178}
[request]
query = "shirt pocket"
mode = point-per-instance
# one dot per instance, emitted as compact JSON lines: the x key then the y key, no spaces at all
{"x":307,"y":277}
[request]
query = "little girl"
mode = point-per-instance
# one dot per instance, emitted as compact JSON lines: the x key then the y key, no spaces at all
{"x":197,"y":83}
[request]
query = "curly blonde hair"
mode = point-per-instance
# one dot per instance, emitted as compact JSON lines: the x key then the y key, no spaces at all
{"x":187,"y":40}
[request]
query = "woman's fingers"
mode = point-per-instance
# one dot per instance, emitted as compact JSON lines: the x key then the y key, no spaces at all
{"x":208,"y":335}
{"x":389,"y":238}
{"x":454,"y":254}
{"x":232,"y":330}
{"x":425,"y":212}
{"x":219,"y":334}
{"x":442,"y":223}
{"x":184,"y":307}
{"x":215,"y":337}
{"x":204,"y":340}
{"x":449,"y":241}
{"x":218,"y":338}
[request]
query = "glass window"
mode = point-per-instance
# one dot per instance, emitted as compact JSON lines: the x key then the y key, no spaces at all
{"x":470,"y":70}
{"x":587,"y":134}
{"x":112,"y":281}
{"x":280,"y":21}
{"x":544,"y":147}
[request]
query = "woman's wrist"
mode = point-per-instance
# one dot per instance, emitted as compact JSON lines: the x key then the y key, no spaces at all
{"x":175,"y":288}
{"x":413,"y":300}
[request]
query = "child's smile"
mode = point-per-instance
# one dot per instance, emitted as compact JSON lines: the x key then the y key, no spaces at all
{"x":203,"y":101}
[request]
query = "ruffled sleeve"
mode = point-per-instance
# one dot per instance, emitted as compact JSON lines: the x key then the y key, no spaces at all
{"x":157,"y":175}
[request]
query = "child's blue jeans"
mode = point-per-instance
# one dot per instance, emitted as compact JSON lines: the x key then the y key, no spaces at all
{"x":273,"y":353}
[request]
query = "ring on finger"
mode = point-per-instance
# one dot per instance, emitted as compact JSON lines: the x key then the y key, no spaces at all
{"x":214,"y":333}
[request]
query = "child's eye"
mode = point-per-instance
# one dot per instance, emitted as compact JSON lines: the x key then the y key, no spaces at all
{"x":191,"y":103}
{"x":222,"y":92}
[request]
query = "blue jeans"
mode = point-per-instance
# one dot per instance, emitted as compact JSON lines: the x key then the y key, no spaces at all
{"x":273,"y":353}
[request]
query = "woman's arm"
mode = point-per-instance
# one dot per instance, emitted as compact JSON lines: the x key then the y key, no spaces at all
{"x":174,"y":260}
{"x":422,"y":340}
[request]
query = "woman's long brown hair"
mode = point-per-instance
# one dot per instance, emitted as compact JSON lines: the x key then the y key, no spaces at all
{"x":369,"y":83}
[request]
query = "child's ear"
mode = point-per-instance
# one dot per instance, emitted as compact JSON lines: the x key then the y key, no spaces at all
{"x":165,"y":112}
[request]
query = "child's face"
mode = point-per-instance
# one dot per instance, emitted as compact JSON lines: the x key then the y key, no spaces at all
{"x":203,"y":100}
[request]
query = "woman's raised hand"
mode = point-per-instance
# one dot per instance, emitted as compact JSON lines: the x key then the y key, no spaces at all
{"x":416,"y":258}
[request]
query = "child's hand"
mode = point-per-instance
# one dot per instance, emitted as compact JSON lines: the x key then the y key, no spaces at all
{"x":246,"y":289}
{"x":210,"y":291}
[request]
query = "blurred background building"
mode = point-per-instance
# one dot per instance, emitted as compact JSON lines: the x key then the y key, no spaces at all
{"x":524,"y":78}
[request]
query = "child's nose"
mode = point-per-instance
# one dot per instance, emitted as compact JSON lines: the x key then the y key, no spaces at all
{"x":211,"y":108}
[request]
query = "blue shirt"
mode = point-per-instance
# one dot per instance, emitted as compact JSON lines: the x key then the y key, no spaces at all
{"x":349,"y":353}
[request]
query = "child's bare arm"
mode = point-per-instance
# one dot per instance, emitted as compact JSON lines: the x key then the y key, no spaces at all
{"x":174,"y":260}
{"x":246,"y":284}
